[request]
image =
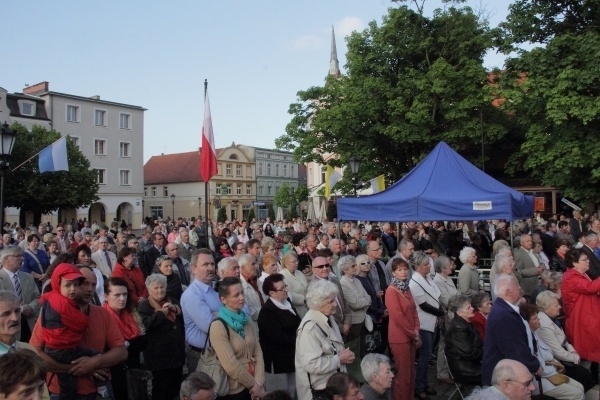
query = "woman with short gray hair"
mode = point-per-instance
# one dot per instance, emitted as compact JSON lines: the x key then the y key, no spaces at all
{"x":468,"y":278}
{"x":320,"y":348}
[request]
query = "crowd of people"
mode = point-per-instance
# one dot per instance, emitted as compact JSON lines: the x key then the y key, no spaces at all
{"x":354,"y":310}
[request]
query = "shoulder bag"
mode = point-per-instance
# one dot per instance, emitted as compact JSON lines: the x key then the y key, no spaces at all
{"x":209,"y":363}
{"x":320,"y":394}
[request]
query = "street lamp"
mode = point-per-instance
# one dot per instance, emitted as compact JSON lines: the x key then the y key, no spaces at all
{"x":199,"y":206}
{"x":143,"y":216}
{"x":7,"y":140}
{"x":173,"y":203}
{"x":354,"y":161}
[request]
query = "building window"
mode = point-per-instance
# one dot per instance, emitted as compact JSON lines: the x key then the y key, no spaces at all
{"x":72,"y":113}
{"x":100,"y":117}
{"x":291,"y":171}
{"x":276,"y":169}
{"x":285,"y":170}
{"x":233,"y":157}
{"x":100,"y":147}
{"x":238,"y":170}
{"x":323,"y":171}
{"x":153,"y":191}
{"x":125,"y":148}
{"x":238,"y":189}
{"x":248,"y":171}
{"x":124,"y":177}
{"x":269,"y":169}
{"x":27,"y":108}
{"x":145,"y":191}
{"x":259,"y":169}
{"x":100,"y":176}
{"x":228,"y":188}
{"x":165,"y":191}
{"x":125,"y":121}
{"x":260,"y":190}
{"x":74,"y":140}
{"x":218,"y":189}
{"x":269,"y":192}
{"x":228,"y":169}
{"x":156,"y":212}
{"x":248,"y":189}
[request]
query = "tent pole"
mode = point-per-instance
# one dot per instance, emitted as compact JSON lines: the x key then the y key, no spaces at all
{"x":512,"y":246}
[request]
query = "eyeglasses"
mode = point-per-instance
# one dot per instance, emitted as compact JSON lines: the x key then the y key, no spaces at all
{"x":322,"y":266}
{"x":525,"y":384}
{"x":285,"y":287}
{"x":365,"y":263}
{"x":60,"y":230}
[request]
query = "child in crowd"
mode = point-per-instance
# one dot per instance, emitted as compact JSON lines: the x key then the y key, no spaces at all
{"x":63,"y":325}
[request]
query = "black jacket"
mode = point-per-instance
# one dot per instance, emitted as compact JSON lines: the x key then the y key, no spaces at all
{"x":165,"y":347}
{"x":464,"y":350}
{"x":277,"y":336}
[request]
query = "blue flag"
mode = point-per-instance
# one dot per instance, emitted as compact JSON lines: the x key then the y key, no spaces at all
{"x":54,"y":157}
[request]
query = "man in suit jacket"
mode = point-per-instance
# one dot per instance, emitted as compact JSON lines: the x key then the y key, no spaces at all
{"x":592,"y":243}
{"x":155,"y":251}
{"x":342,"y":316}
{"x":575,"y":224}
{"x":61,"y":239}
{"x":104,"y":258}
{"x":507,"y":333}
{"x":15,"y":281}
{"x":527,"y":266}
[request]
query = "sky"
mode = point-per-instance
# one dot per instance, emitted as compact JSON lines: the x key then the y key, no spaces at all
{"x":256,"y":55}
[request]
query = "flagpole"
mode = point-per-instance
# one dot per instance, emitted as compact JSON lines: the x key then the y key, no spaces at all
{"x":206,"y":199}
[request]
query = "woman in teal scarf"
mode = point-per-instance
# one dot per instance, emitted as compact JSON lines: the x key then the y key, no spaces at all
{"x":235,"y":341}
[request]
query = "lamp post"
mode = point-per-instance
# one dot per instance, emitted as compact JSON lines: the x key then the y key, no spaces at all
{"x":143,"y":216}
{"x":354,"y":162}
{"x":199,"y":206}
{"x":173,"y":203}
{"x":7,"y":140}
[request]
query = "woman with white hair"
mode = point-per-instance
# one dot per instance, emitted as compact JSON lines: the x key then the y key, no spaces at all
{"x":503,"y":265}
{"x":320,"y":349}
{"x":359,"y":301}
{"x":296,"y":282}
{"x":468,"y":278}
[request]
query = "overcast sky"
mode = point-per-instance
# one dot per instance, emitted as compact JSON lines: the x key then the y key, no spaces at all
{"x":256,"y":56}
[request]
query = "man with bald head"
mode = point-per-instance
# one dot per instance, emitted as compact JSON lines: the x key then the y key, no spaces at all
{"x":528,"y":266}
{"x":507,"y":334}
{"x":511,"y":380}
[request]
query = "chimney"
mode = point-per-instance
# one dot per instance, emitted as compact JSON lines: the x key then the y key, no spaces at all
{"x":96,"y":97}
{"x":37,"y":88}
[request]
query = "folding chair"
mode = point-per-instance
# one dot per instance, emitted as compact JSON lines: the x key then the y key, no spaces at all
{"x":458,"y":385}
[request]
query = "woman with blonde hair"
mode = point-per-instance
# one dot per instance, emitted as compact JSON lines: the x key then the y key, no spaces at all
{"x":296,"y":282}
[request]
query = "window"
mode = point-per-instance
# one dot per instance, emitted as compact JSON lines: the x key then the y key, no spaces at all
{"x":291,"y":171}
{"x":125,"y":148}
{"x":233,"y":157}
{"x":269,"y":169}
{"x":260,"y":190}
{"x":100,"y":117}
{"x":323,"y":171}
{"x":248,"y":189}
{"x":259,"y":169}
{"x":153,"y":191}
{"x":72,"y":113}
{"x":276,"y":169}
{"x":218,"y":189}
{"x":238,"y":188}
{"x":248,"y":171}
{"x":124,"y":177}
{"x":100,"y":176}
{"x":269,"y":190}
{"x":285,"y":170}
{"x":125,"y":121}
{"x":145,"y":191}
{"x":27,"y":108}
{"x":165,"y":191}
{"x":238,"y":170}
{"x":228,"y":188}
{"x":228,"y":169}
{"x":74,"y":140}
{"x":100,"y":147}
{"x":156,"y":212}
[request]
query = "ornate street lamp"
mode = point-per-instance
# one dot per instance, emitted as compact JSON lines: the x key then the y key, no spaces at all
{"x":173,"y":203}
{"x":199,"y":206}
{"x":7,"y":140}
{"x":354,"y":162}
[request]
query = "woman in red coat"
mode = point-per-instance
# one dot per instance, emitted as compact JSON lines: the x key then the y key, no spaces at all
{"x":581,"y":304}
{"x":126,"y":269}
{"x":403,"y":330}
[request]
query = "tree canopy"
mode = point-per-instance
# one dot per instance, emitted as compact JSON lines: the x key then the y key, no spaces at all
{"x":39,"y":193}
{"x":410,"y":83}
{"x":290,"y":197}
{"x":553,"y":92}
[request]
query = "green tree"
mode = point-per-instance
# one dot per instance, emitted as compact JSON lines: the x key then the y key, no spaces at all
{"x":39,"y":193}
{"x":290,"y":197}
{"x":271,"y":212}
{"x":251,"y":215}
{"x":222,"y":215}
{"x":553,"y":91}
{"x":411,"y":82}
{"x":331,"y":211}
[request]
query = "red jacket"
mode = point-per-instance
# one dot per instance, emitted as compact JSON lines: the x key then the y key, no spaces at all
{"x":62,"y":321}
{"x":479,"y":322}
{"x":404,"y":321}
{"x":581,"y":304}
{"x":136,"y":282}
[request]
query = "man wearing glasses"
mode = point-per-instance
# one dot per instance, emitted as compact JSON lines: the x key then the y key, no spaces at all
{"x":23,"y":285}
{"x":510,"y":380}
{"x":322,"y":270}
{"x":61,"y":240}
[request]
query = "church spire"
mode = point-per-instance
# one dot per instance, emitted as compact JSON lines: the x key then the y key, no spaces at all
{"x":334,"y":65}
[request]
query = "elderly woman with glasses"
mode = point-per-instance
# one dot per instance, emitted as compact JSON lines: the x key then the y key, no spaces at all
{"x":277,"y":324}
{"x":358,"y":300}
{"x":296,"y":282}
{"x":320,"y":349}
{"x":376,"y":309}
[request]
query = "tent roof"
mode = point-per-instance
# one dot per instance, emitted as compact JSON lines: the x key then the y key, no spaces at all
{"x":444,"y":186}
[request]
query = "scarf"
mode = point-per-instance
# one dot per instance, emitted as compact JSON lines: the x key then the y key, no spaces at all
{"x":402,"y":286}
{"x":158,"y":306}
{"x":125,"y":321}
{"x":236,"y":321}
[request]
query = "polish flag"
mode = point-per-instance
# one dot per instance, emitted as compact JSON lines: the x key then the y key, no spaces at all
{"x":208,"y":156}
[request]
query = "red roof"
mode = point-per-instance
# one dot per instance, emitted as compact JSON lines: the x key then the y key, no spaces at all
{"x":174,"y":168}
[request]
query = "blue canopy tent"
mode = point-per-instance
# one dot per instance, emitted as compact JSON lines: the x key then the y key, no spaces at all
{"x":443,"y":187}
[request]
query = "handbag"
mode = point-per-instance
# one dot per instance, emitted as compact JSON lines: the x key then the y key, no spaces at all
{"x":137,"y":383}
{"x":558,"y":379}
{"x":368,"y":322}
{"x":209,"y":364}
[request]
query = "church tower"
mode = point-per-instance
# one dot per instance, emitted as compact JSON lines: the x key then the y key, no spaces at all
{"x":334,"y":65}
